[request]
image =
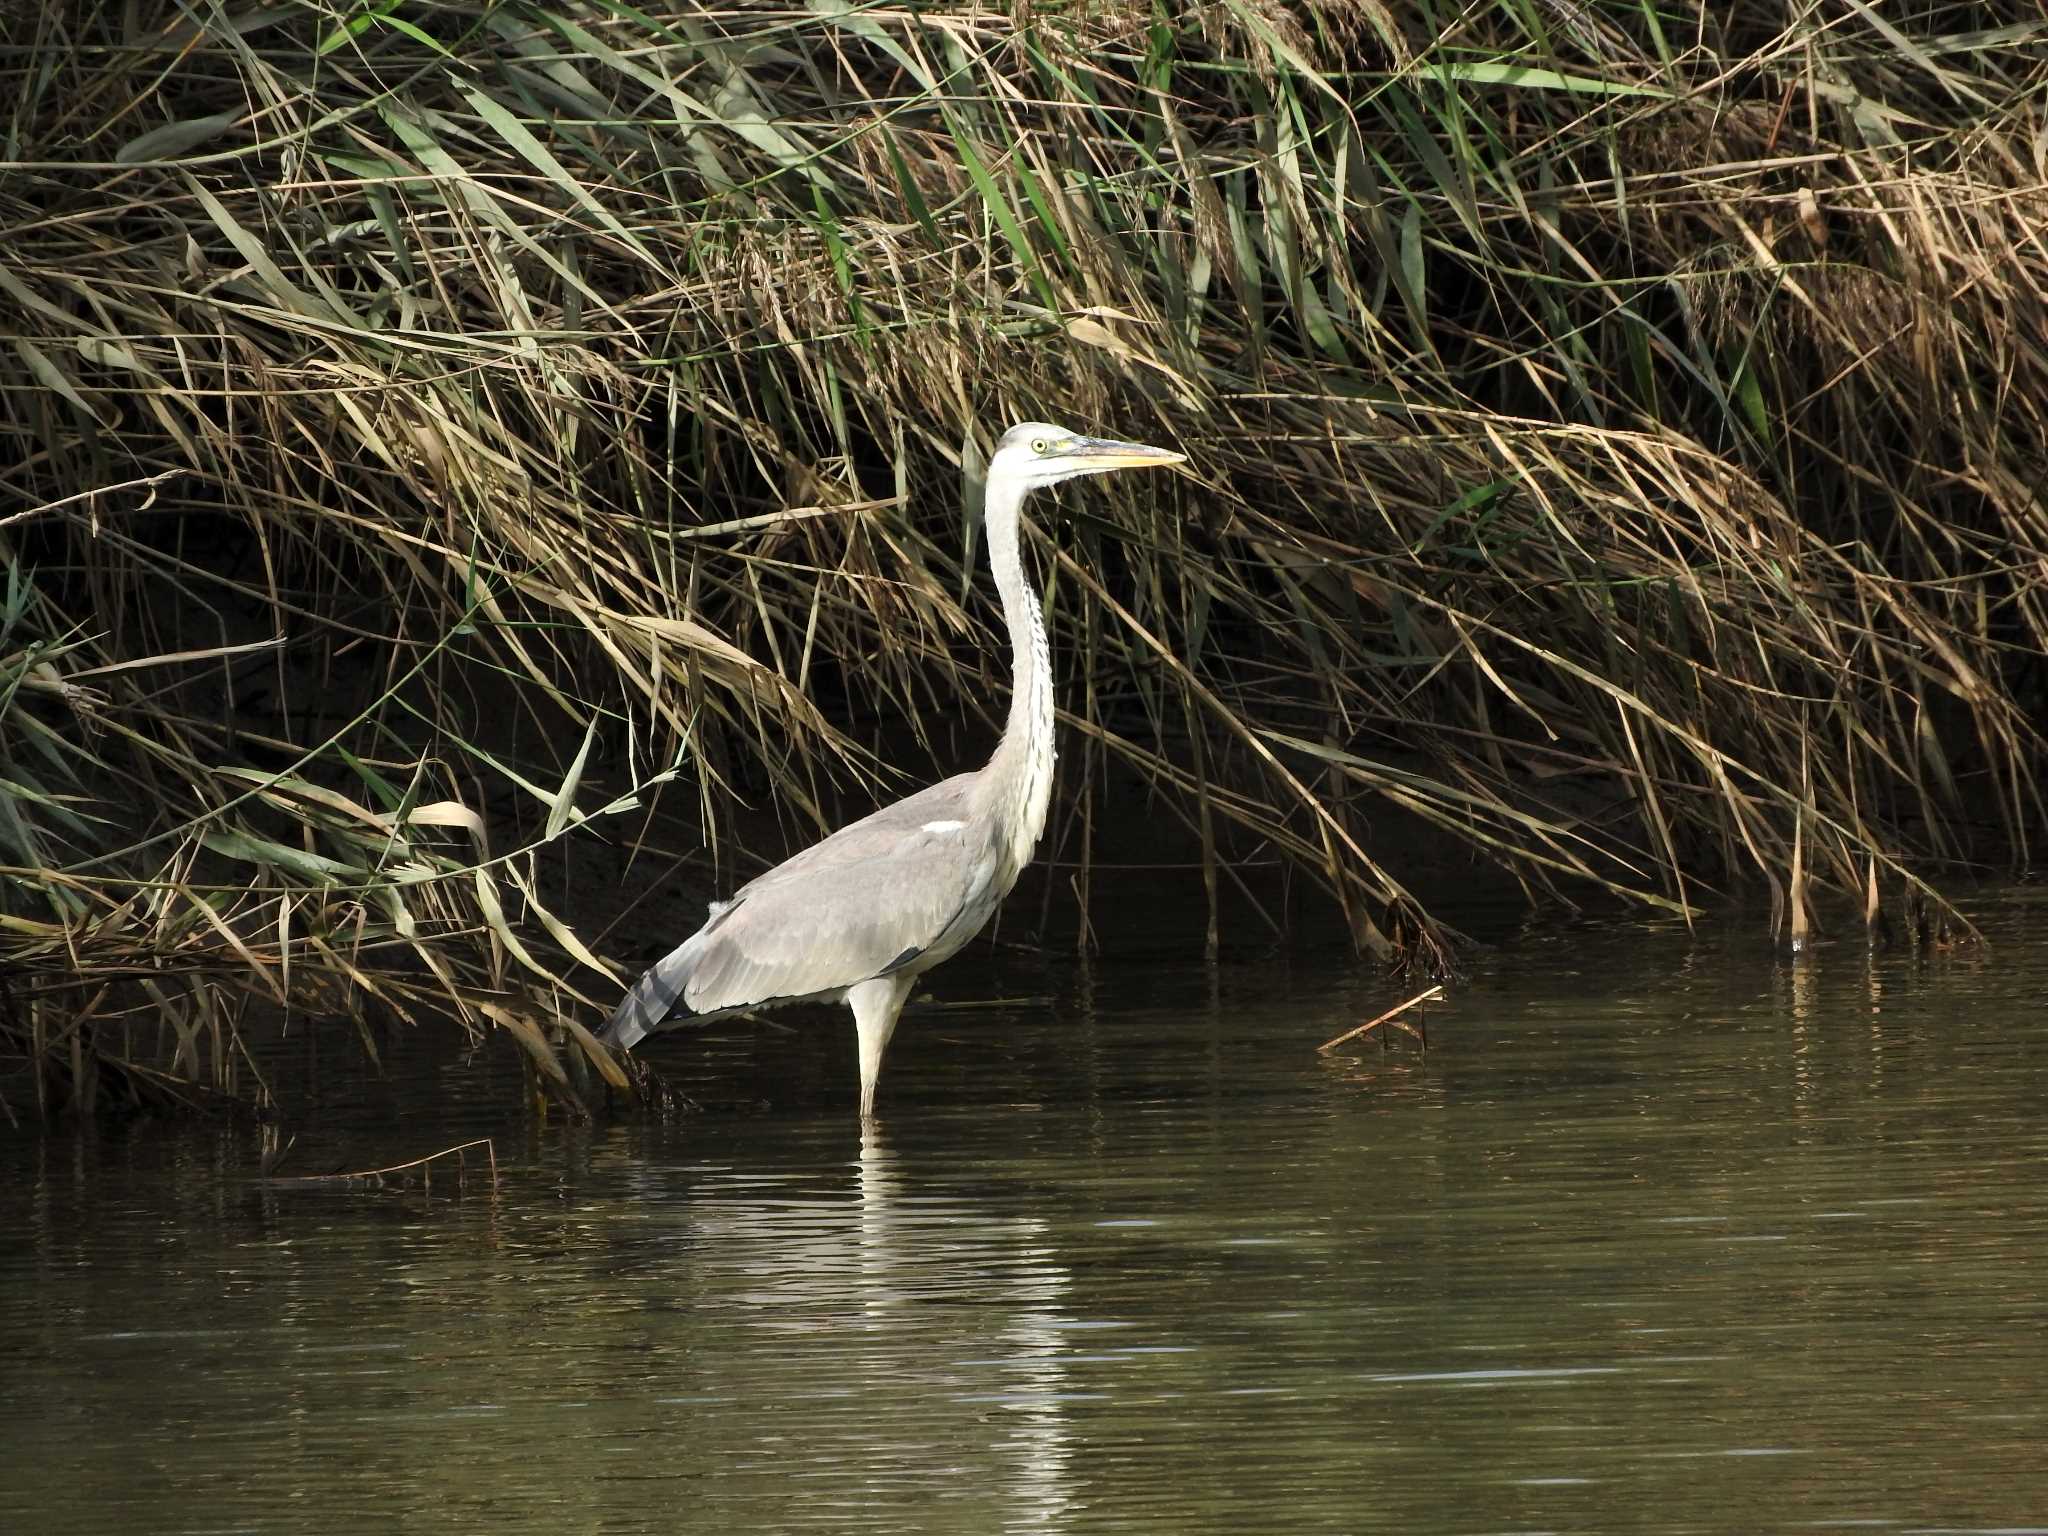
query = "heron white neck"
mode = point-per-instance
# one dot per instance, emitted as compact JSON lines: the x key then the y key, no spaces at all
{"x":1020,"y":773}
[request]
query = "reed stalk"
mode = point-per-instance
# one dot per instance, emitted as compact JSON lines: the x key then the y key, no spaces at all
{"x":434,"y":434}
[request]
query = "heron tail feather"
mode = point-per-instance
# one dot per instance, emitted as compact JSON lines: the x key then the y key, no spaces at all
{"x":653,"y":998}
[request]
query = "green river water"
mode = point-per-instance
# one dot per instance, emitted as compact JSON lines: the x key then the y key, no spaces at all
{"x":1663,"y":1233}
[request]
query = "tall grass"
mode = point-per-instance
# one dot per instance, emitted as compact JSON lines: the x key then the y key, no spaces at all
{"x":433,"y":430}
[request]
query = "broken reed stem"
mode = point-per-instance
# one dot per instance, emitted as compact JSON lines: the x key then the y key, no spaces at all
{"x":1427,"y":995}
{"x":490,"y":1154}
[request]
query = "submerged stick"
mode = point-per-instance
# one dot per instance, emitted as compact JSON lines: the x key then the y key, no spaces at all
{"x":1432,"y":994}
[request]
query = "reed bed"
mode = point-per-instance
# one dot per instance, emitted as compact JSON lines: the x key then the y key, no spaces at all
{"x":437,"y":433}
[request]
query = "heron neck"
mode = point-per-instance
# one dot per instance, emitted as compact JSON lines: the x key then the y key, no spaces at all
{"x":1020,"y":773}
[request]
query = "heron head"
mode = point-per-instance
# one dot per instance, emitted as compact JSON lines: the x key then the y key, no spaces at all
{"x":1034,"y":453}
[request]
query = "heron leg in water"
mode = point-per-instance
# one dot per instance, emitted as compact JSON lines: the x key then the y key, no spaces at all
{"x":875,"y":1004}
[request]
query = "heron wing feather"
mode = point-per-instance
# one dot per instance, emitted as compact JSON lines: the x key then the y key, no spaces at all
{"x":857,"y":905}
{"x":845,"y":909}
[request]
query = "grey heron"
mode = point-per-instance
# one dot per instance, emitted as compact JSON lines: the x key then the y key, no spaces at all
{"x":860,"y":916}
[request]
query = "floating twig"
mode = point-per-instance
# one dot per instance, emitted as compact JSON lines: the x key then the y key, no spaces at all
{"x":1433,"y":994}
{"x":377,"y":1175}
{"x":930,"y":1004}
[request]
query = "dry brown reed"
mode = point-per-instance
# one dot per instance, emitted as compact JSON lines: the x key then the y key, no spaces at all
{"x":430,"y":430}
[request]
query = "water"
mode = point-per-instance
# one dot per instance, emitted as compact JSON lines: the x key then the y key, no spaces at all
{"x":1662,"y":1234}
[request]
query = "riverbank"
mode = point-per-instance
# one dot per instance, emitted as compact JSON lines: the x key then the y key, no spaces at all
{"x":447,"y":452}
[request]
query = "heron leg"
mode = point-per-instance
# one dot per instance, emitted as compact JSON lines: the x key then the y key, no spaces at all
{"x":875,"y":1004}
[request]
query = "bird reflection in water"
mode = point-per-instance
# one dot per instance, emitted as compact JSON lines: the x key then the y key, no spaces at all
{"x":872,"y":1343}
{"x":1026,"y":1380}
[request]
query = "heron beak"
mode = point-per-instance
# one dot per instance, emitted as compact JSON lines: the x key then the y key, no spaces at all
{"x":1093,"y":453}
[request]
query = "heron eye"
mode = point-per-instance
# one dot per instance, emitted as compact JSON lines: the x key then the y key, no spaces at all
{"x":1040,"y":445}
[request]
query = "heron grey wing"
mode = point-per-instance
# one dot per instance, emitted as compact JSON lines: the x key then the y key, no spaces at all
{"x":864,"y":902}
{"x":828,"y":917}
